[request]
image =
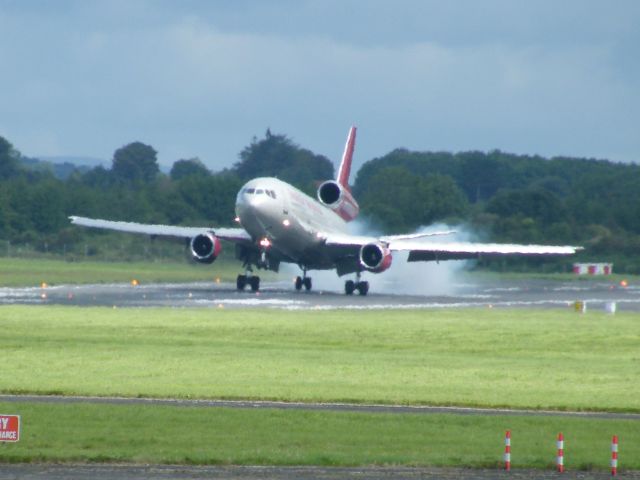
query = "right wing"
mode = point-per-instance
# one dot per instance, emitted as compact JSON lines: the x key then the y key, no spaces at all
{"x":236,"y":235}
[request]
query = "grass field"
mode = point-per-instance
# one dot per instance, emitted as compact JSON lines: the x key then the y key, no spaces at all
{"x":526,"y":359}
{"x":16,"y":272}
{"x":162,"y":434}
{"x":538,"y":359}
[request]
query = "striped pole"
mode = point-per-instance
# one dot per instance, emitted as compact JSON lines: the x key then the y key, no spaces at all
{"x":507,"y":451}
{"x":560,"y":458}
{"x":614,"y":455}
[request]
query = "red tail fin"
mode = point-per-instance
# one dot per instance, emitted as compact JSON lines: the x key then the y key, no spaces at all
{"x":347,"y":156}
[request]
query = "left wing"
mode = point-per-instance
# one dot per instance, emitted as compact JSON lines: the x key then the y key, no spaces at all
{"x":424,"y":252}
{"x":432,"y":251}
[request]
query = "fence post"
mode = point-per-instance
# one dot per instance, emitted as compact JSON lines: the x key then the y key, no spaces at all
{"x":560,"y":459}
{"x":614,"y":455}
{"x":507,"y":451}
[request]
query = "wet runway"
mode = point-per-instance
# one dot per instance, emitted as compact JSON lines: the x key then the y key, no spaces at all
{"x":597,"y":294}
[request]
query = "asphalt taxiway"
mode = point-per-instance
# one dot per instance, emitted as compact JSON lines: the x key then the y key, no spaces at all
{"x":596,"y":294}
{"x":191,"y":472}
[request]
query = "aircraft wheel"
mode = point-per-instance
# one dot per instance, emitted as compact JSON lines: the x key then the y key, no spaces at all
{"x":298,"y":283}
{"x":349,"y":287}
{"x":363,"y":288}
{"x":255,"y":283}
{"x":241,"y":282}
{"x":307,"y":283}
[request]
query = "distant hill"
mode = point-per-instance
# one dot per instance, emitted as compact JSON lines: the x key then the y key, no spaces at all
{"x":77,"y":160}
{"x":62,"y":167}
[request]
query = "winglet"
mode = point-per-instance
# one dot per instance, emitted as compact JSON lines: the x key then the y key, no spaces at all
{"x":347,"y":156}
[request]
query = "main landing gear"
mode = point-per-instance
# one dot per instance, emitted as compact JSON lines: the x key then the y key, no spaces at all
{"x":252,"y":281}
{"x":361,"y":286}
{"x":303,"y":281}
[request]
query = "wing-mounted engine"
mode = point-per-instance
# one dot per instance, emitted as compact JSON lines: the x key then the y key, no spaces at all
{"x":205,"y":247}
{"x":338,"y":199}
{"x":375,"y":257}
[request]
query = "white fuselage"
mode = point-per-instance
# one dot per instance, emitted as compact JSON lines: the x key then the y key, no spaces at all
{"x":293,"y":222}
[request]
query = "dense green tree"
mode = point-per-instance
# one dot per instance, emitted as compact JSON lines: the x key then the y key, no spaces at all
{"x":98,"y":177}
{"x":482,"y":175}
{"x":191,"y":166}
{"x":402,"y":201}
{"x":135,"y":163}
{"x":45,"y":203}
{"x":277,"y":156}
{"x":212,"y":198}
{"x":540,"y":205}
{"x":9,"y":159}
{"x":504,"y":197}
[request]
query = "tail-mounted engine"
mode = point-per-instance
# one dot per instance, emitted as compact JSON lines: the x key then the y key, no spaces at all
{"x":205,"y":247}
{"x":338,"y":199}
{"x":375,"y":257}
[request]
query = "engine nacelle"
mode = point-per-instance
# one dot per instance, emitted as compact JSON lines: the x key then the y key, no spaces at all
{"x":205,"y":247}
{"x":375,"y":257}
{"x":338,"y":199}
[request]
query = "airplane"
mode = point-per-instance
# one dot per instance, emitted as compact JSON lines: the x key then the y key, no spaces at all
{"x":282,"y":224}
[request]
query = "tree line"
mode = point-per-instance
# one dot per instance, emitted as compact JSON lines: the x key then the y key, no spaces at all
{"x":499,"y":196}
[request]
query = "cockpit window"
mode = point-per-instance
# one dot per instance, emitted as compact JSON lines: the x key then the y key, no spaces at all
{"x":260,"y":191}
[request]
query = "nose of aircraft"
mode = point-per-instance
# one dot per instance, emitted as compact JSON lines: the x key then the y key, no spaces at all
{"x":243,"y":203}
{"x":254,"y":206}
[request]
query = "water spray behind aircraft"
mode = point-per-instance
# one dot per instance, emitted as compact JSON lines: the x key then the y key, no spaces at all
{"x":432,"y":278}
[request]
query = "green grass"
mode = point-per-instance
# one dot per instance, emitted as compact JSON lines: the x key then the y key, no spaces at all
{"x":525,"y":359}
{"x":164,"y":434}
{"x":15,"y":272}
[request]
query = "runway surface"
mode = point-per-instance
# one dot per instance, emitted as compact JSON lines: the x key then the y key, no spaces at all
{"x":337,"y":407}
{"x":597,"y":294}
{"x":165,"y":472}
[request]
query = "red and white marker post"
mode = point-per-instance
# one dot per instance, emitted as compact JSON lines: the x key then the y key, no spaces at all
{"x":614,"y":455}
{"x":507,"y":451}
{"x":560,"y":458}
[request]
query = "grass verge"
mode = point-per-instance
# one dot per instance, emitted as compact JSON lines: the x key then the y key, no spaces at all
{"x":188,"y":435}
{"x":493,"y":358}
{"x":16,"y":272}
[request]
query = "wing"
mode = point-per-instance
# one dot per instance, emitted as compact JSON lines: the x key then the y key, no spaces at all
{"x":424,"y":252}
{"x":237,"y":235}
{"x":349,"y":245}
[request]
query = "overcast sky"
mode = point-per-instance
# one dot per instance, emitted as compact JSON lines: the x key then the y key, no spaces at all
{"x":201,"y":78}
